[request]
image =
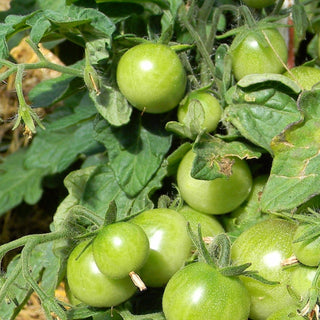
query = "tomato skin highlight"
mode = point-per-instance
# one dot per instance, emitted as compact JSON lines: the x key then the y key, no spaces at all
{"x":92,"y":287}
{"x":122,"y":244}
{"x":265,"y":245}
{"x":250,"y":57}
{"x":198,"y":291}
{"x":170,"y":244}
{"x":218,"y":196}
{"x":152,"y":77}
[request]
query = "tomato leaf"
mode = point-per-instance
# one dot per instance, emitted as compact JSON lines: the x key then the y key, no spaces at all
{"x":277,"y":80}
{"x":102,"y":188}
{"x":294,"y":176}
{"x":136,"y":150}
{"x":112,"y":105}
{"x":213,"y":157}
{"x":18,"y":183}
{"x":63,"y":140}
{"x":261,"y":115}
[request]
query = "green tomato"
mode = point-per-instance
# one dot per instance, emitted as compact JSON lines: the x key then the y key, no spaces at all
{"x":259,"y":4}
{"x":201,"y":292}
{"x":218,"y":196}
{"x":89,"y":285}
{"x":266,"y":245}
{"x":120,"y":248}
{"x":301,"y":280}
{"x":210,"y":106}
{"x":307,"y":251}
{"x":250,"y":56}
{"x":210,"y":226}
{"x":170,"y":244}
{"x":152,"y":77}
{"x":305,"y":76}
{"x":249,"y":212}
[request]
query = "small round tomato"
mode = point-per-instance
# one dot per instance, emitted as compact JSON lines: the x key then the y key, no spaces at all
{"x":305,"y":76}
{"x":249,"y":212}
{"x":199,"y":291}
{"x":210,"y":106}
{"x":301,"y":280}
{"x":89,"y":285}
{"x":218,"y":196}
{"x":122,"y":244}
{"x":151,"y":76}
{"x":210,"y":226}
{"x":307,"y":251}
{"x":258,"y":4}
{"x":266,"y":245}
{"x":170,"y":244}
{"x":250,"y":56}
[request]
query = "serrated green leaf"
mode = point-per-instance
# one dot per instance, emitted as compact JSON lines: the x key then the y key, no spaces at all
{"x":61,"y":143}
{"x":136,"y":150}
{"x":309,"y":104}
{"x":112,"y":105}
{"x":300,"y":19}
{"x":102,"y":188}
{"x":18,"y":183}
{"x":261,"y":115}
{"x":294,"y":176}
{"x":214,"y":157}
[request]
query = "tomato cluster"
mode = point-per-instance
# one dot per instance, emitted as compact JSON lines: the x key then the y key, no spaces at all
{"x":156,"y":244}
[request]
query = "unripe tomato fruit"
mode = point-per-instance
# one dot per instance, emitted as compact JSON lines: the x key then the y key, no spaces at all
{"x":266,"y":245}
{"x":210,"y":226}
{"x":307,"y":251}
{"x":89,"y":285}
{"x":210,"y":105}
{"x":250,"y":56}
{"x":120,"y":248}
{"x":259,"y":4}
{"x":217,"y":196}
{"x":152,"y":78}
{"x":199,"y":291}
{"x":305,"y":76}
{"x":170,"y":244}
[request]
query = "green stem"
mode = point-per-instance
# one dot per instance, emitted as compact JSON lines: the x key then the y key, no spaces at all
{"x":81,"y":211}
{"x":5,"y":287}
{"x":36,"y":50}
{"x":199,"y":42}
{"x":40,"y":238}
{"x":49,"y":304}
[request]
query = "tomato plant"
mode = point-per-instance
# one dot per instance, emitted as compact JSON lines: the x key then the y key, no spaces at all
{"x":90,"y":142}
{"x":121,"y":244}
{"x":152,"y":77}
{"x":217,"y":196}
